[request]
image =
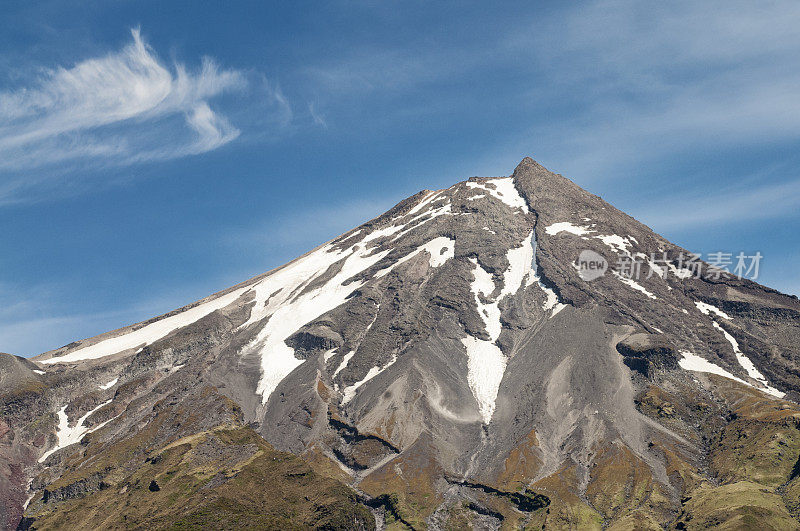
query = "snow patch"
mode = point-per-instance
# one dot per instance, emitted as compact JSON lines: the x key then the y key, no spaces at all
{"x":345,"y":360}
{"x":681,"y":273}
{"x":150,"y":333}
{"x":616,"y":242}
{"x":504,"y":190}
{"x":693,"y":362}
{"x":37,"y":371}
{"x":633,"y":284}
{"x":281,"y":297}
{"x":440,"y":250}
{"x":350,"y":391}
{"x":566,"y":226}
{"x":399,"y":230}
{"x":425,"y":200}
{"x":28,"y":501}
{"x":328,"y":354}
{"x":620,"y":244}
{"x":486,"y":363}
{"x":748,"y":365}
{"x":380,"y":233}
{"x":551,"y":301}
{"x":708,"y":309}
{"x":109,"y":385}
{"x":412,"y":224}
{"x":520,"y":260}
{"x":70,"y":435}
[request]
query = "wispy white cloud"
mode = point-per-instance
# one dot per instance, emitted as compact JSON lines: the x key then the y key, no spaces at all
{"x":737,"y":206}
{"x":605,"y":85}
{"x":653,"y":81}
{"x":317,"y":116}
{"x":122,"y":108}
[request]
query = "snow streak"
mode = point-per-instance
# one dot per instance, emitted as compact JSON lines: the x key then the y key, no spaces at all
{"x":289,"y":301}
{"x":149,"y":333}
{"x":70,"y":435}
{"x":504,"y":190}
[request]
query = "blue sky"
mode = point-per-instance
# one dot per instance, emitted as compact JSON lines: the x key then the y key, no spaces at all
{"x":152,"y":153}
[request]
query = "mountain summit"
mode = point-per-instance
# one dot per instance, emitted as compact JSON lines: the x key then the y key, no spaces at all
{"x":506,"y":352}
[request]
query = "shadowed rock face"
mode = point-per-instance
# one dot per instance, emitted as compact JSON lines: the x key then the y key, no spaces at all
{"x":444,"y":364}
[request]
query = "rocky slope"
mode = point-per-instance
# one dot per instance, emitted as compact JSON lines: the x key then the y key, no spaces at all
{"x":444,"y":365}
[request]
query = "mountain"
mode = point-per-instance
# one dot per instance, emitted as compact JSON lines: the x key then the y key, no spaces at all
{"x":459,"y":361}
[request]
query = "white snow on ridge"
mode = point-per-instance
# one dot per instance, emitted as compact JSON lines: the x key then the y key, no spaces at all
{"x":486,"y":363}
{"x":109,"y":385}
{"x":693,"y":362}
{"x":566,"y":226}
{"x":681,"y":273}
{"x":430,"y":215}
{"x":279,"y":297}
{"x":708,"y":309}
{"x":520,"y":261}
{"x":328,"y":354}
{"x":504,"y":190}
{"x":633,"y":284}
{"x":439,"y":249}
{"x":150,"y":333}
{"x":507,"y":193}
{"x":748,"y":365}
{"x":424,"y":201}
{"x":350,"y":391}
{"x":70,"y":435}
{"x":37,"y":371}
{"x":345,"y":360}
{"x":380,"y":233}
{"x":621,"y":244}
{"x":616,"y":242}
{"x":551,"y":301}
{"x":398,"y":230}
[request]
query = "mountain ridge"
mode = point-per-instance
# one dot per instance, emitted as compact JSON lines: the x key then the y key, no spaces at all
{"x":446,"y":362}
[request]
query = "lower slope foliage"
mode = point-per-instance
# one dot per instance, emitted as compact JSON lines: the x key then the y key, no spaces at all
{"x":190,"y":463}
{"x":226,"y":477}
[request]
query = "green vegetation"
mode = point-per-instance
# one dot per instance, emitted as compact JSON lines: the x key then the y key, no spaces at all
{"x":226,"y":477}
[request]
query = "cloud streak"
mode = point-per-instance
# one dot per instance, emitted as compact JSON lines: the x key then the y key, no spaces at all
{"x":769,"y":201}
{"x":126,"y":107}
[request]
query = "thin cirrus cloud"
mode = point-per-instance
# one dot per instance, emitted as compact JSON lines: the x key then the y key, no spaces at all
{"x":123,"y":108}
{"x":767,"y":201}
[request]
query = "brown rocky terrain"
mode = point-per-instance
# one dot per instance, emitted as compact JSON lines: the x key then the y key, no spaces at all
{"x":442,"y":366}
